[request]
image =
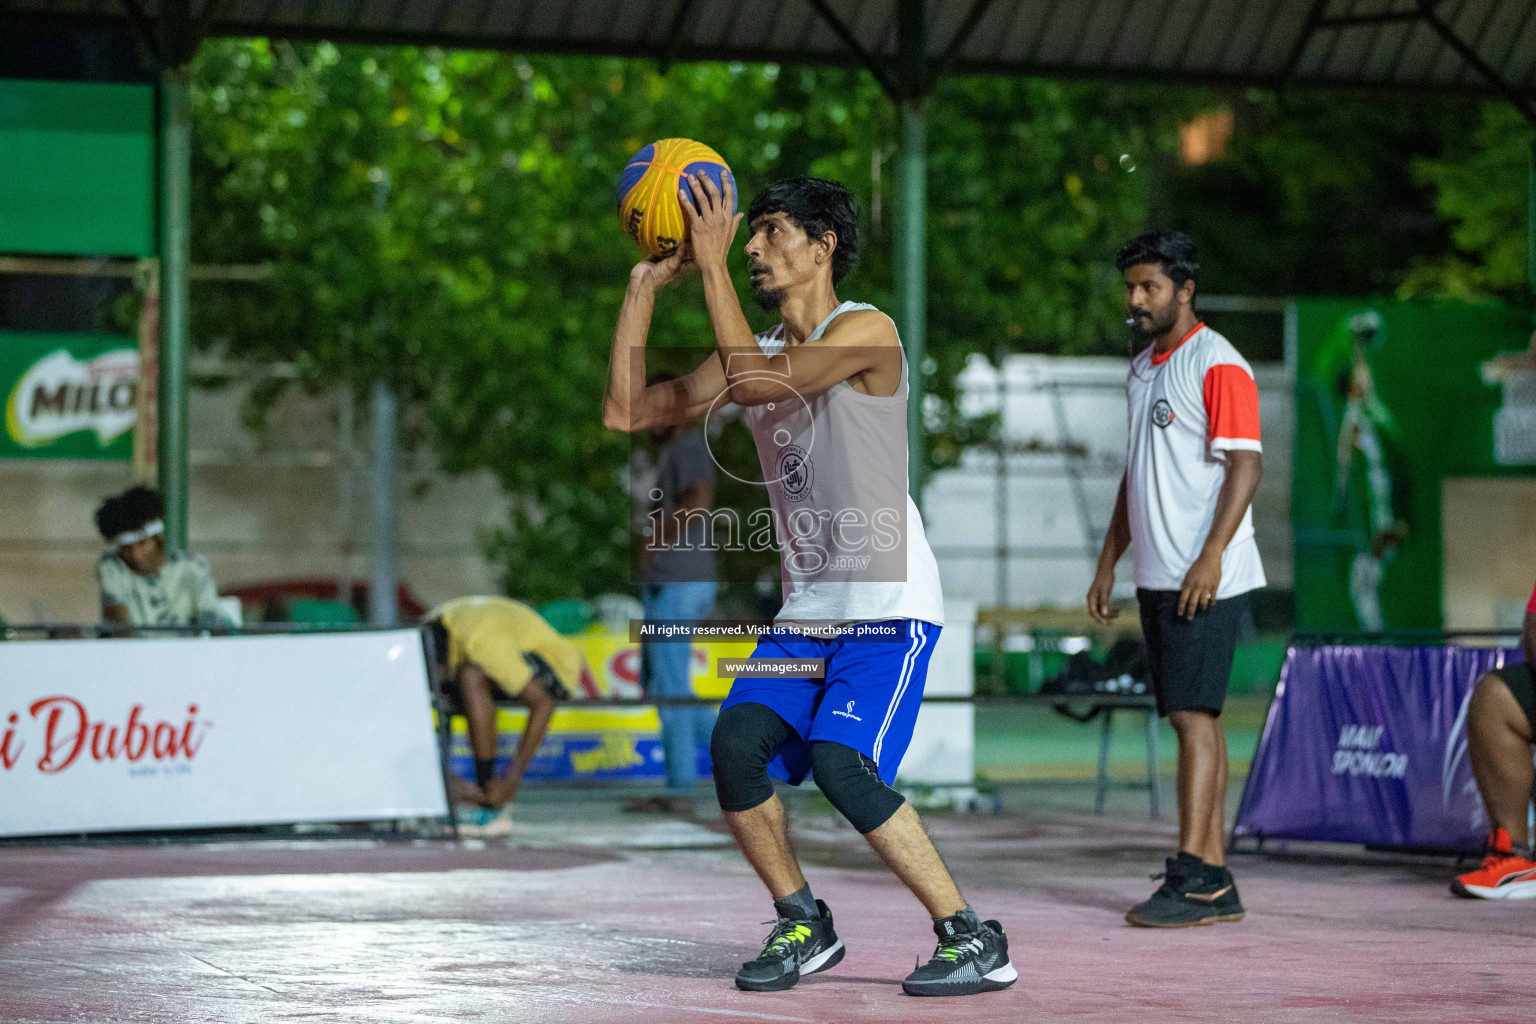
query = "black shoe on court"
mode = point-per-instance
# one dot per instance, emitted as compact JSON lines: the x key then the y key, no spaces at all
{"x":1228,"y":906}
{"x":1190,"y":895}
{"x":972,"y":957}
{"x":792,"y":950}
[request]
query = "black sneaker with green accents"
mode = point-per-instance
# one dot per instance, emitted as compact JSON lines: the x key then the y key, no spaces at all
{"x":972,"y":957}
{"x":792,"y":950}
{"x":1189,"y":896}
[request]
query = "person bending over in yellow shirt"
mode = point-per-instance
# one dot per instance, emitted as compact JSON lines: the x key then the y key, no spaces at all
{"x":486,"y":642}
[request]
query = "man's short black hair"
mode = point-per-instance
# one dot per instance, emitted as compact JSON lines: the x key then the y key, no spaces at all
{"x":817,"y":206}
{"x":1173,"y":251}
{"x":130,"y":510}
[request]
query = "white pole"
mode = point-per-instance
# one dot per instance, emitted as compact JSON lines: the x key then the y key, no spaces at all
{"x":383,"y":531}
{"x":381,"y":594}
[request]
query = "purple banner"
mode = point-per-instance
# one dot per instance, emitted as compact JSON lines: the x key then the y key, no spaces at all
{"x":1369,"y":745}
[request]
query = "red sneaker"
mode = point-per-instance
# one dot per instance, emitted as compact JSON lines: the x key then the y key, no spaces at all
{"x":1505,"y":875}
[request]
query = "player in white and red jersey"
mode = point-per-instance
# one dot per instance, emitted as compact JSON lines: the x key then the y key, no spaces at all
{"x":1193,"y":464}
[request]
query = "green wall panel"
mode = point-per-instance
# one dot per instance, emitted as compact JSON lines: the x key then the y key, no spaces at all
{"x":77,"y":168}
{"x":1425,"y":362}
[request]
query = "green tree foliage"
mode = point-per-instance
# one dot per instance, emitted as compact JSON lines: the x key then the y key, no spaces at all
{"x":1480,"y":186}
{"x":482,"y":285}
{"x":1316,"y":195}
{"x":445,"y":222}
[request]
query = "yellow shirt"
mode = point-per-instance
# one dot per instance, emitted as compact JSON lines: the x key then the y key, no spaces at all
{"x":495,"y":632}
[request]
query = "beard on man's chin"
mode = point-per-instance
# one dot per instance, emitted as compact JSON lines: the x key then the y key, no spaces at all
{"x":1153,"y":326}
{"x":768,"y":299}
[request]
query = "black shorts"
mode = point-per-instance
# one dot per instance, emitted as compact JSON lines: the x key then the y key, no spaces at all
{"x":1190,"y":659}
{"x":542,"y":674}
{"x":1518,"y":678}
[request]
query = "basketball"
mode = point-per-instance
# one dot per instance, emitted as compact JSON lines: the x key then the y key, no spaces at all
{"x":649,"y":209}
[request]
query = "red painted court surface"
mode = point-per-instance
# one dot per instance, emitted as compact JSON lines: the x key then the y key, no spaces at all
{"x":589,"y":917}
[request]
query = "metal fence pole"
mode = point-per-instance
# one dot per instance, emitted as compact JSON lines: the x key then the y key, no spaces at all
{"x":346,"y":489}
{"x":381,"y":592}
{"x":175,"y":263}
{"x":911,"y":229}
{"x":1000,"y":510}
{"x":383,"y":528}
{"x":1530,"y":220}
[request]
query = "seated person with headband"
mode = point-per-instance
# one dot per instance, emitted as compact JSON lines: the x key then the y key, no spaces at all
{"x":488,"y":644}
{"x":142,"y":584}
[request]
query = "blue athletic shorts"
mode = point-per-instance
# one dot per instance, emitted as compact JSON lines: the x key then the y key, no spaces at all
{"x":868,"y":700}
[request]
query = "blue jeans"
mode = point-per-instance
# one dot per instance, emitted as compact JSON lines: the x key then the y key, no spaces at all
{"x":667,"y":674}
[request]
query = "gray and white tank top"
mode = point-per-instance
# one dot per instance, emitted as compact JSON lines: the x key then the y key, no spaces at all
{"x":851,"y":540}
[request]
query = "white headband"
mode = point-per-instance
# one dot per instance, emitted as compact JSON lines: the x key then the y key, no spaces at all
{"x":153,"y":528}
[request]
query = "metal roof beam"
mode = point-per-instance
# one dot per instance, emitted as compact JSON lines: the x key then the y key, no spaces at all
{"x":1472,"y":57}
{"x":516,"y":40}
{"x":851,"y":41}
{"x":962,"y":36}
{"x":145,"y":28}
{"x":173,"y":37}
{"x":1314,"y":19}
{"x":1358,"y":20}
{"x":912,"y":49}
{"x":675,"y":35}
{"x":205,"y":21}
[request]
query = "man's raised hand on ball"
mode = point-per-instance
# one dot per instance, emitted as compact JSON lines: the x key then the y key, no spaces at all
{"x":711,"y":224}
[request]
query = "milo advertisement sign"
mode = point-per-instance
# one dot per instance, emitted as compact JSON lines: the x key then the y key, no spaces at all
{"x":68,"y":396}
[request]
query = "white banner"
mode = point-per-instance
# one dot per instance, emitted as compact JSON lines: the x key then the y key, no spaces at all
{"x":99,"y":735}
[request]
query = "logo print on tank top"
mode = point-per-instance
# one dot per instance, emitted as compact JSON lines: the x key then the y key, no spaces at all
{"x":795,"y":472}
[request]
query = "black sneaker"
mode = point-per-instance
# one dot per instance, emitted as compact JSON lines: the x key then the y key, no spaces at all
{"x":1187,"y":899}
{"x":793,"y":949}
{"x":1228,"y":906}
{"x":972,"y":957}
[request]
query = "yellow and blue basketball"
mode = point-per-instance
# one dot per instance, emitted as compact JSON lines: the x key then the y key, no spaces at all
{"x":649,"y":208}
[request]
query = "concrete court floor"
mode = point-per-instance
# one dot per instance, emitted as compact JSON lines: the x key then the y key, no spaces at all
{"x":590,"y":916}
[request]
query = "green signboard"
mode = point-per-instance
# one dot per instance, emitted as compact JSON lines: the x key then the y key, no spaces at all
{"x":1391,"y":399}
{"x":77,"y":166}
{"x":68,"y":396}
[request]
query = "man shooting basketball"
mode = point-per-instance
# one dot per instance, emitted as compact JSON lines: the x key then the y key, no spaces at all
{"x":825,"y":395}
